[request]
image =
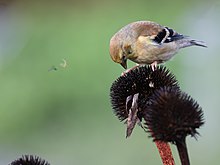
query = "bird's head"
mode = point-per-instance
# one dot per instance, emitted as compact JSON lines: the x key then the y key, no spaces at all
{"x":120,"y":52}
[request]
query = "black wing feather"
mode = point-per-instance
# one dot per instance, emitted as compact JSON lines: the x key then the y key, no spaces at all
{"x":173,"y":36}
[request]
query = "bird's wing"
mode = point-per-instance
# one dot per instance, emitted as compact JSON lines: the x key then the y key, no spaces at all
{"x":167,"y":35}
{"x":158,"y":33}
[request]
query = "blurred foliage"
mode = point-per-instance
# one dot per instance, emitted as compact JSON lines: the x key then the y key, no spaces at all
{"x":64,"y":115}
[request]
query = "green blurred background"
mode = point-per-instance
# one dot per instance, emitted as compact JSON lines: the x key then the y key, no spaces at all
{"x":65,"y":116}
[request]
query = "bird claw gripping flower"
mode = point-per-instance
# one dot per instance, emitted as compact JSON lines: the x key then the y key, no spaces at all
{"x":146,"y":42}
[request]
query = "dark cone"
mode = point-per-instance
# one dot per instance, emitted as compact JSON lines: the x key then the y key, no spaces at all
{"x":141,"y":80}
{"x":29,"y":160}
{"x":172,"y":115}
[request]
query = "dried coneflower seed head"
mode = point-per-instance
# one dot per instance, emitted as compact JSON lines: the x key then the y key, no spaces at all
{"x":142,"y":81}
{"x":29,"y":160}
{"x":172,"y":115}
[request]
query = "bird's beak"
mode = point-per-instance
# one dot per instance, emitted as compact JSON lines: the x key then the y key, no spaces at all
{"x":124,"y":63}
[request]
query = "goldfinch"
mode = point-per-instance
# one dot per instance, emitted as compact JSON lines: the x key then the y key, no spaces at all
{"x":146,"y":42}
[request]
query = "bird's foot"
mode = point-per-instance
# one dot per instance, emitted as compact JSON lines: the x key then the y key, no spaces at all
{"x":154,"y":65}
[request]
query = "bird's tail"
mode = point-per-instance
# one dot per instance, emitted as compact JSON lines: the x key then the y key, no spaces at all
{"x":198,"y":43}
{"x":186,"y":42}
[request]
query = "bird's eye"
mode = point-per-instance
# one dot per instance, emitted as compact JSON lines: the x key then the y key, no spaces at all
{"x":123,"y":57}
{"x":129,"y":52}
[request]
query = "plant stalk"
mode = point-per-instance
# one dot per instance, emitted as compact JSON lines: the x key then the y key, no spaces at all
{"x":165,"y":153}
{"x":183,"y":153}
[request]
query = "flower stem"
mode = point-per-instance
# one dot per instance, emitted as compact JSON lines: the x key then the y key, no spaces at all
{"x":182,"y":149}
{"x":165,"y":153}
